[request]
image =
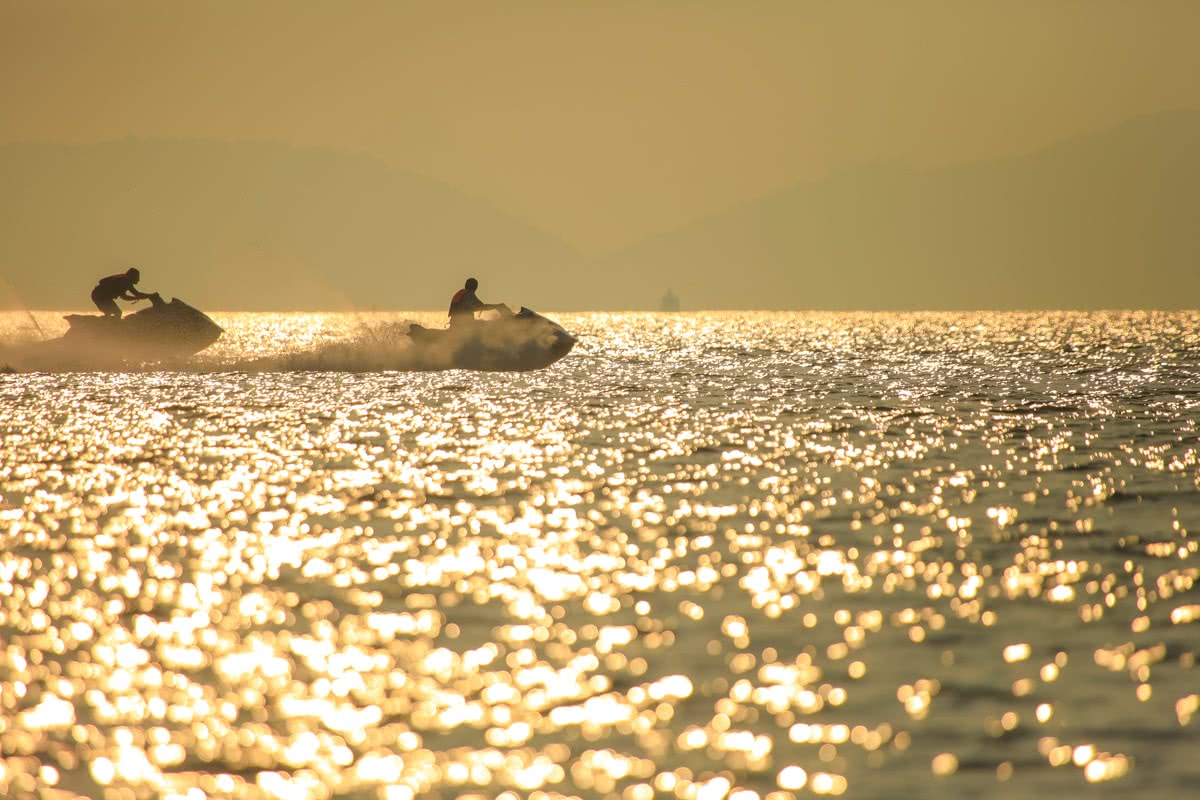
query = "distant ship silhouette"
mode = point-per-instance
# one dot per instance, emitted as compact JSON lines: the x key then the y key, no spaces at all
{"x":669,"y":302}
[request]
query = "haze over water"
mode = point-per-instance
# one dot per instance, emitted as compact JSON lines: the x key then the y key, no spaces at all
{"x":707,"y":555}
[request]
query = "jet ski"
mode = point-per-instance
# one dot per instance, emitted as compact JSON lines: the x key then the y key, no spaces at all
{"x":517,"y":342}
{"x":163,"y":332}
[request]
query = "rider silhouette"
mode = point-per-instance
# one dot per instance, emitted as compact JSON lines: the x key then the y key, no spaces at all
{"x":117,"y":287}
{"x":465,"y":303}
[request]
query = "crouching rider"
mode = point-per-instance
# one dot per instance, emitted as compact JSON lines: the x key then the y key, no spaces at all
{"x":118,"y":287}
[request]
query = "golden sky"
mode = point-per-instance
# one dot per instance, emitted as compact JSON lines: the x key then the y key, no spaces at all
{"x":601,"y":123}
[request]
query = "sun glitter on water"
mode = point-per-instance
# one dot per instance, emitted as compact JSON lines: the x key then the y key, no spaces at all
{"x":706,"y":556}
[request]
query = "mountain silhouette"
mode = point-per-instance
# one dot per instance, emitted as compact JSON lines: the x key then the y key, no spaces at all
{"x":256,"y":226}
{"x":1099,"y":221}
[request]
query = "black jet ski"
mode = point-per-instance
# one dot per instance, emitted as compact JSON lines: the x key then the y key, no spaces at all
{"x":163,"y":332}
{"x":512,"y":343}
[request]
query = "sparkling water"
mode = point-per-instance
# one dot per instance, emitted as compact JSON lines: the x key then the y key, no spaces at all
{"x":709,"y":555}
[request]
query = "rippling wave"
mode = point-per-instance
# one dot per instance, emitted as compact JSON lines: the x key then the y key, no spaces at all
{"x":723,"y":555}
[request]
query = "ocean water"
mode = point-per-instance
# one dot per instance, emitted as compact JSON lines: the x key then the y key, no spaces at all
{"x":707,"y":555}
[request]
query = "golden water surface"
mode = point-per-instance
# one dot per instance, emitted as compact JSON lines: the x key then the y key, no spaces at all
{"x":706,"y":556}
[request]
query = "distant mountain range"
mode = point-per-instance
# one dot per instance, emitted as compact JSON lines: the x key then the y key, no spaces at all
{"x":1107,"y":220}
{"x":1110,"y":220}
{"x":256,"y":226}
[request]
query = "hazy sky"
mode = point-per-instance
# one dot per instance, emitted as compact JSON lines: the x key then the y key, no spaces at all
{"x":601,"y":123}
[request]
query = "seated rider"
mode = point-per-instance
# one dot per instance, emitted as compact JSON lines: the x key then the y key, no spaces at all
{"x":465,"y":303}
{"x":117,"y":287}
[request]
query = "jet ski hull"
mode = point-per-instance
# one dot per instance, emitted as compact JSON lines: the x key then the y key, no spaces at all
{"x":164,"y":332}
{"x":522,"y":342}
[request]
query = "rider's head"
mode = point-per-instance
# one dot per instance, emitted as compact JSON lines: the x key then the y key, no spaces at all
{"x":133,"y":274}
{"x":472,"y":284}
